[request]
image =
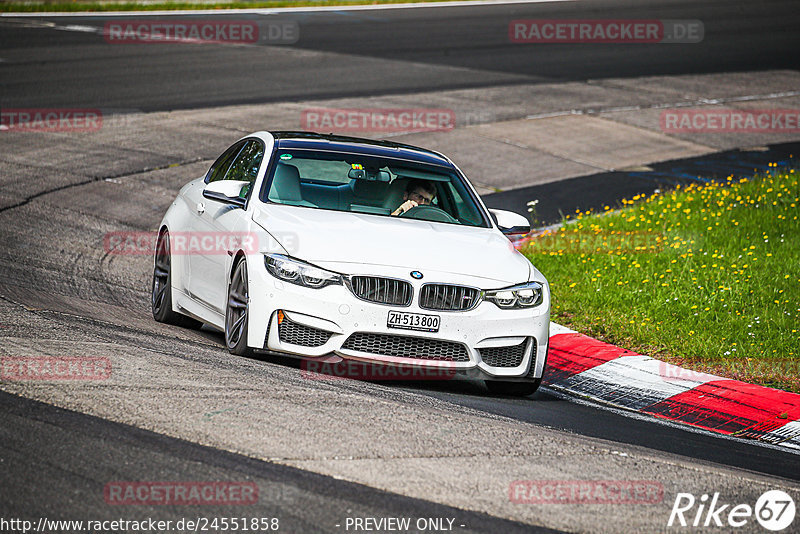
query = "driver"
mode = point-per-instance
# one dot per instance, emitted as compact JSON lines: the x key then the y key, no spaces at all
{"x":418,"y":193}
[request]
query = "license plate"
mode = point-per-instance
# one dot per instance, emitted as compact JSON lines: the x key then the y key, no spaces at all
{"x":413,"y":321}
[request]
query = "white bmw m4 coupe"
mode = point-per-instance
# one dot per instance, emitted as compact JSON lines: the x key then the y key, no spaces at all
{"x":337,"y":249}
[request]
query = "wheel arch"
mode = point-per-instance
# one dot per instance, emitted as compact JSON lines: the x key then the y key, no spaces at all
{"x":176,"y":262}
{"x":237,"y":257}
{"x":242,"y":347}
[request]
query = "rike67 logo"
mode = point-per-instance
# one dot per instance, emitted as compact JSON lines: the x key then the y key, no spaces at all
{"x":774,"y":510}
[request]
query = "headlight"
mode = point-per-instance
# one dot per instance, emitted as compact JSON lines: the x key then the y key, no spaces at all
{"x":522,"y":296}
{"x":299,"y":272}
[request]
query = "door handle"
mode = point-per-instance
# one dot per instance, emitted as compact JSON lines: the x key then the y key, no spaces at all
{"x":200,"y":207}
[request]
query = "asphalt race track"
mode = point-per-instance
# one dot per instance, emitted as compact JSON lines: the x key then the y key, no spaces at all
{"x":379,"y":52}
{"x":178,"y":407}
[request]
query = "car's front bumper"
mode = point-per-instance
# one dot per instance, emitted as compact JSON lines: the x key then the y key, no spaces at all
{"x":486,"y":342}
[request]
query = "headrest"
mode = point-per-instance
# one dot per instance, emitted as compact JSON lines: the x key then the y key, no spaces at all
{"x":285,"y":184}
{"x":394,"y":196}
{"x":370,"y":190}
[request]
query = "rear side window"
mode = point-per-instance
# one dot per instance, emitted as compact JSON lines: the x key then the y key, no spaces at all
{"x":223,"y":163}
{"x":246,"y":163}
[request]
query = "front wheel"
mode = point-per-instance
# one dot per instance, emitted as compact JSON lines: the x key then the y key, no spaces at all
{"x":513,"y":389}
{"x":236,"y":316}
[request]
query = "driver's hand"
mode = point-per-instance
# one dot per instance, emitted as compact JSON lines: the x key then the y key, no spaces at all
{"x":405,"y":206}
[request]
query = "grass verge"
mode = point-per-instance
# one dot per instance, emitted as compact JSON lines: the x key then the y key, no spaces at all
{"x":706,"y":277}
{"x":78,"y":6}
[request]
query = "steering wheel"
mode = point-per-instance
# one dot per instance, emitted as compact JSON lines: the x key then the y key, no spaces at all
{"x":429,"y":213}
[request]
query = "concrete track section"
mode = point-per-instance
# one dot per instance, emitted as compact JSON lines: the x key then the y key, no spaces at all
{"x":505,"y":139}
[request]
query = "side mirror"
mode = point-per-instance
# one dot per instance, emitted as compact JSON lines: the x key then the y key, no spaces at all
{"x":226,"y":191}
{"x":511,"y":223}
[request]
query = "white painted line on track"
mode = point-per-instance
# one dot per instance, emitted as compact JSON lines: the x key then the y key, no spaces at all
{"x":634,"y":381}
{"x":789,"y":433}
{"x":279,"y":10}
{"x":78,"y":28}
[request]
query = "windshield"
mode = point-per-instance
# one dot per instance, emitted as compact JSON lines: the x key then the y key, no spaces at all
{"x":362,"y":183}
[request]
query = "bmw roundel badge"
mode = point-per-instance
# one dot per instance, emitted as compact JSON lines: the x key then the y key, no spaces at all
{"x":416,"y":275}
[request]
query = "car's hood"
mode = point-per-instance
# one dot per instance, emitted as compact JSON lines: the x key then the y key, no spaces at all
{"x":324,"y":236}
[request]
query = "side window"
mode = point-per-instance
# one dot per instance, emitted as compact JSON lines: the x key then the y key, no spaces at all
{"x":220,"y":167}
{"x":245,"y":166}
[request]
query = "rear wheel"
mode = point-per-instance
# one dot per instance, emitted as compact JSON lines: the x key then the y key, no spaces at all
{"x":236,"y":316}
{"x":161,"y":294}
{"x":513,"y":389}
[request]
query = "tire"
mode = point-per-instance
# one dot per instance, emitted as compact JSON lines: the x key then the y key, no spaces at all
{"x":161,"y":290}
{"x":236,"y":312}
{"x":513,"y":389}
